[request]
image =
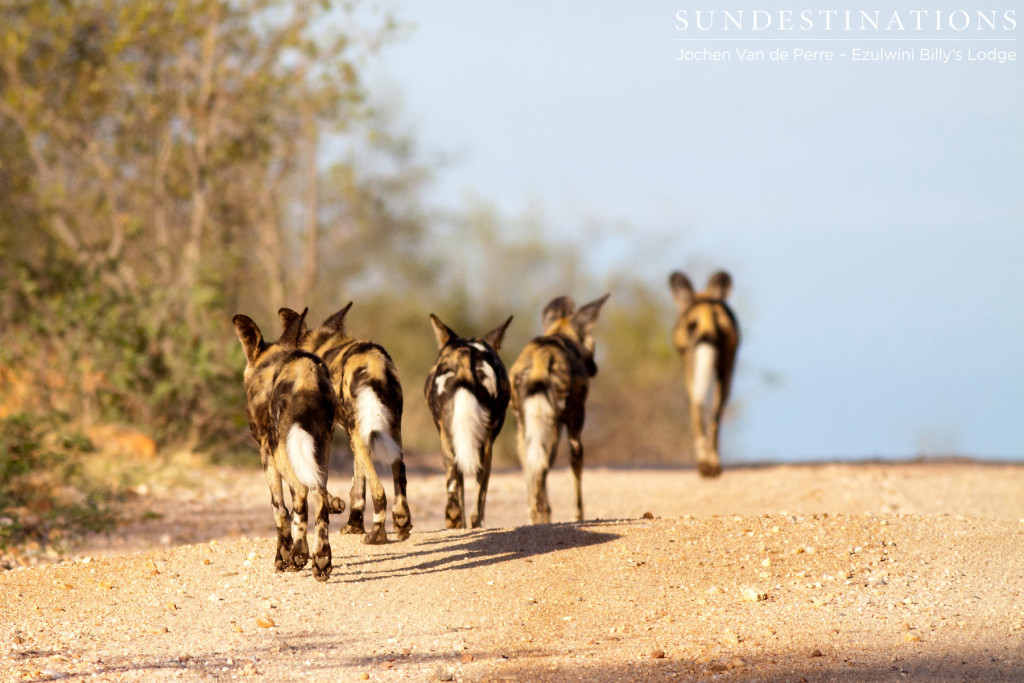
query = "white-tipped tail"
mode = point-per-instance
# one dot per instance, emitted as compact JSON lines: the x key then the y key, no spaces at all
{"x":539,"y":430}
{"x":373,"y":421}
{"x":705,"y":360}
{"x":384,"y":449}
{"x":301,"y":449}
{"x":469,"y":426}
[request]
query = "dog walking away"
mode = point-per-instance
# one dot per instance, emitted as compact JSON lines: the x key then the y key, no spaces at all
{"x":370,"y":411}
{"x":291,"y":408}
{"x":550,"y":380}
{"x":467,"y":391}
{"x":707,"y":337}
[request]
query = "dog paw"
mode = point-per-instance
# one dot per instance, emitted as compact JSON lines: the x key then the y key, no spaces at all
{"x":708,"y":470}
{"x":335,"y":505}
{"x":377,"y":536}
{"x":322,"y":568}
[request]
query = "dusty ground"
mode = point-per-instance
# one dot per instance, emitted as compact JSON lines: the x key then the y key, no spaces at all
{"x":862,"y":572}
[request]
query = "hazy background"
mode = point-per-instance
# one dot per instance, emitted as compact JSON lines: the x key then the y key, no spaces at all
{"x":870,"y":213}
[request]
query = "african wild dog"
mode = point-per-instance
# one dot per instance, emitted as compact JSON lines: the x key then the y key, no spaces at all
{"x":467,"y":391}
{"x":707,"y":336}
{"x":550,"y":380}
{"x":291,"y":406}
{"x":370,"y":411}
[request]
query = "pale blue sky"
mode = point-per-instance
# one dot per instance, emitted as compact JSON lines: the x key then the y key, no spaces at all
{"x":871,"y":214}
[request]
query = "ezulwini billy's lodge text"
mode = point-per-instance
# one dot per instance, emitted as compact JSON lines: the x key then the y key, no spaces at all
{"x":874,"y":54}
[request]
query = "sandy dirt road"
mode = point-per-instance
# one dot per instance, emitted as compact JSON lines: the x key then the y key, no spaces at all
{"x":849,"y":572}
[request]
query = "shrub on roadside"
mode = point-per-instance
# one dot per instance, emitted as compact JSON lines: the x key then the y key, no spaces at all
{"x":46,"y":494}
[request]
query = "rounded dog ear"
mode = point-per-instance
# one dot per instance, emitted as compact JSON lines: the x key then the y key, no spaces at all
{"x":442,"y":332}
{"x":249,"y":334}
{"x":558,"y":308}
{"x":292,"y":335}
{"x":682,"y":290}
{"x":287,"y":316}
{"x":495,"y":336}
{"x":719,"y":285}
{"x":336,"y":323}
{"x":586,"y":317}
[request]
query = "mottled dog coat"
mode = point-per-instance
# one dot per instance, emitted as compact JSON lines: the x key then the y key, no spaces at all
{"x":550,"y":381}
{"x":370,"y":404}
{"x":707,"y":337}
{"x":467,"y":391}
{"x":290,"y":405}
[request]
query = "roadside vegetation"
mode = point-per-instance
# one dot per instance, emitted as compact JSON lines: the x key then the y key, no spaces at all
{"x":45,"y":491}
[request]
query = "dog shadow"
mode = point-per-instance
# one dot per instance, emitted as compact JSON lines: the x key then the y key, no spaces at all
{"x":447,"y":551}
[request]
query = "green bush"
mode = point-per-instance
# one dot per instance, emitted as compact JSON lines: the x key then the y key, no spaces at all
{"x":45,"y":494}
{"x":102,"y":356}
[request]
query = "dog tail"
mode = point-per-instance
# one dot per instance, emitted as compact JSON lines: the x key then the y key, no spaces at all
{"x":705,"y":377}
{"x":539,"y":432}
{"x":539,"y":419}
{"x":302,"y":455}
{"x":309,"y":409}
{"x":468,"y":430}
{"x":384,"y":448}
{"x":374,"y":425}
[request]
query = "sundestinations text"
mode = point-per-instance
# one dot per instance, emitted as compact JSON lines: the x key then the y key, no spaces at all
{"x":846,"y":20}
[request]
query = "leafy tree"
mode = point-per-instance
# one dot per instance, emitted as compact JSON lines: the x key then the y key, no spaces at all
{"x":168,"y":164}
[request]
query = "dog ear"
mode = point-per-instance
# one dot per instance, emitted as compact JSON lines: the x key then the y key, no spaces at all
{"x":442,"y":332}
{"x":287,"y":316}
{"x":292,"y":335}
{"x":336,"y":323}
{"x":719,"y":285}
{"x":558,"y":308}
{"x":250,"y":336}
{"x":586,"y":317}
{"x":682,"y":290}
{"x":495,"y":336}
